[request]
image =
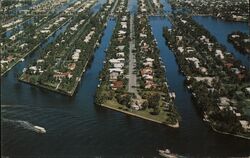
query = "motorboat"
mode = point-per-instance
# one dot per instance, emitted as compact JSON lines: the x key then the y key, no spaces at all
{"x":40,"y":129}
{"x":167,"y":153}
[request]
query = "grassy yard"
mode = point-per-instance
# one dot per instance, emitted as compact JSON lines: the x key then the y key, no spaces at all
{"x":145,"y":114}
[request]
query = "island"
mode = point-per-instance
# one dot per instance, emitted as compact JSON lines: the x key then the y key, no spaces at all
{"x":220,"y":85}
{"x":223,"y":9}
{"x":18,"y":43}
{"x":63,"y":63}
{"x":133,"y":80}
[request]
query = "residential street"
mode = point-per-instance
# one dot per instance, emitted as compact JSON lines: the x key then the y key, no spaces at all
{"x":132,"y":60}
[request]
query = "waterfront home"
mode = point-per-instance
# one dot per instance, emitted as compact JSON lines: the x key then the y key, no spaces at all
{"x":142,"y":35}
{"x":33,"y":69}
{"x":4,"y":62}
{"x":135,"y":107}
{"x":10,"y":58}
{"x":120,"y":48}
{"x":245,"y":124}
{"x":124,"y":25}
{"x":149,"y":59}
{"x":124,"y":18}
{"x":238,"y":18}
{"x":235,"y":70}
{"x":146,"y":70}
{"x":178,"y":38}
{"x":71,"y":66}
{"x":121,"y":38}
{"x":204,"y":39}
{"x":76,"y":55}
{"x":224,"y":103}
{"x":23,"y":45}
{"x":117,"y":85}
{"x":183,"y":21}
{"x":172,"y":95}
{"x":45,"y":31}
{"x":190,"y":49}
{"x":13,"y":38}
{"x":121,"y":32}
{"x":156,"y":3}
{"x":89,"y":36}
{"x":195,"y":61}
{"x":208,"y":80}
{"x":60,"y":75}
{"x":203,"y":70}
{"x":40,"y":61}
{"x":218,"y":53}
{"x":59,"y":20}
{"x":116,"y":61}
{"x":119,"y":70}
{"x":74,"y":28}
{"x":12,"y":23}
{"x":148,"y":64}
{"x":148,"y":76}
{"x":149,"y":84}
{"x":120,"y":54}
{"x":118,"y":65}
{"x":180,"y":49}
{"x":248,"y":90}
{"x":113,"y":76}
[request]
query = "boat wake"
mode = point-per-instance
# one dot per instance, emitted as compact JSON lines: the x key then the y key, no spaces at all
{"x":25,"y":125}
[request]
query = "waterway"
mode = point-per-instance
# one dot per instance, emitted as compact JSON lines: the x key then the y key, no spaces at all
{"x":166,"y":7}
{"x":30,"y":21}
{"x":132,"y":6}
{"x":221,"y":29}
{"x":67,"y":119}
{"x":194,"y":138}
{"x":78,"y":128}
{"x":97,"y":6}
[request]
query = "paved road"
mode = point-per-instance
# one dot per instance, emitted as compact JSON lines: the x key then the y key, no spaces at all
{"x":132,"y":60}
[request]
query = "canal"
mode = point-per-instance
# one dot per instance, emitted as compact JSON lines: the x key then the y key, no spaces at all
{"x":97,"y":6}
{"x":194,"y":138}
{"x":76,"y":127}
{"x":71,"y":122}
{"x":132,"y":6}
{"x":221,"y":29}
{"x":30,"y":21}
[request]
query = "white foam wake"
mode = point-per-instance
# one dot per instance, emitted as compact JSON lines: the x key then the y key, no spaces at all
{"x":26,"y":125}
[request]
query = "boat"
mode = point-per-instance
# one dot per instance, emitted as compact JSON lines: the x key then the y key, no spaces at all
{"x":40,"y":129}
{"x":167,"y":153}
{"x":22,"y":59}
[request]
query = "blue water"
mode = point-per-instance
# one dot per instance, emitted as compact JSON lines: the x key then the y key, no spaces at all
{"x":78,"y":128}
{"x":30,"y":21}
{"x":132,"y":6}
{"x":97,"y":6}
{"x":166,"y":6}
{"x":221,"y":29}
{"x":194,"y":136}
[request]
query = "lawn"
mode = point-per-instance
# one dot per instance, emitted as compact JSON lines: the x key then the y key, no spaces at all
{"x":160,"y":118}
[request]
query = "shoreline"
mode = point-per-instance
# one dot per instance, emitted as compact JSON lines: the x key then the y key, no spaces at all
{"x":73,"y":90}
{"x":216,"y":17}
{"x":226,"y":133}
{"x":191,"y":92}
{"x":139,"y":116}
{"x":44,"y":87}
{"x":34,"y":48}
